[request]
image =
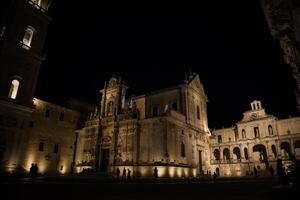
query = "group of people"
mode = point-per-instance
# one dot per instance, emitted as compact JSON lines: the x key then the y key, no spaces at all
{"x":34,"y":169}
{"x":127,"y":173}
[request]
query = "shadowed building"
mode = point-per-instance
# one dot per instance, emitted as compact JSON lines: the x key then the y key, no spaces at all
{"x":283,"y":18}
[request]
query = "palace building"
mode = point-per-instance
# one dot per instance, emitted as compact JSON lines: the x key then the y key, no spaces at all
{"x":258,"y":140}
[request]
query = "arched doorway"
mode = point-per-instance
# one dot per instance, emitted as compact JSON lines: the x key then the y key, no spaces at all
{"x":236,"y":153}
{"x":260,"y":154}
{"x":217,"y":154}
{"x":226,"y":154}
{"x":285,"y":149}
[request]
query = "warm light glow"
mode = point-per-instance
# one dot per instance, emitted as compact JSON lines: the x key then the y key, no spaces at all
{"x":171,"y":172}
{"x":194,"y":172}
{"x":27,"y":39}
{"x":30,"y":160}
{"x":14,"y":87}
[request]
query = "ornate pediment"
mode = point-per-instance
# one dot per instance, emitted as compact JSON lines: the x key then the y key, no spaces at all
{"x":196,"y":84}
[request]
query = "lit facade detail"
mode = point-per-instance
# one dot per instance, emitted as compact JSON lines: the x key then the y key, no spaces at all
{"x":14,"y":88}
{"x":160,"y":129}
{"x":27,"y":39}
{"x":258,"y":140}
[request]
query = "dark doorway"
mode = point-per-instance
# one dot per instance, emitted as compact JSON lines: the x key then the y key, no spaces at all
{"x":104,"y":160}
{"x":218,"y":171}
{"x":200,"y":162}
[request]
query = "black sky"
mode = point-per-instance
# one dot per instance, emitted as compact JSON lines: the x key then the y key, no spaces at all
{"x":151,"y":46}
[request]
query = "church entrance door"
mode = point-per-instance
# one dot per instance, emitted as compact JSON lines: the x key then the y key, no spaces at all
{"x":200,"y":162}
{"x":104,"y":160}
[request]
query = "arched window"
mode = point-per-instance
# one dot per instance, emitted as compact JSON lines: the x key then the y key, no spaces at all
{"x":27,"y":39}
{"x":182,"y":149}
{"x":198,"y":112}
{"x":155,"y":111}
{"x":219,"y":139}
{"x":226,"y":154}
{"x":174,"y":105}
{"x":246,"y":153}
{"x":243,"y":134}
{"x":237,"y":153}
{"x":14,"y":87}
{"x":256,"y":132}
{"x":217,"y":154}
{"x":270,"y":128}
{"x":37,"y":2}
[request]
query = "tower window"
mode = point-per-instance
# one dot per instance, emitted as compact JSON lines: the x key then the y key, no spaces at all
{"x":41,"y":146}
{"x":27,"y":39}
{"x":198,"y":112}
{"x":182,"y":149}
{"x":14,"y":87}
{"x":62,"y":116}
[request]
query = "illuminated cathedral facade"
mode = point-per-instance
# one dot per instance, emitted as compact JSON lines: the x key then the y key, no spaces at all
{"x":166,"y":129}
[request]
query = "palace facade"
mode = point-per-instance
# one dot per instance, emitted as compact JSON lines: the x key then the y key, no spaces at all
{"x":258,"y":140}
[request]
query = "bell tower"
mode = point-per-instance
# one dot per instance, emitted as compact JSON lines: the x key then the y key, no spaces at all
{"x":113,"y":97}
{"x":23,"y":30}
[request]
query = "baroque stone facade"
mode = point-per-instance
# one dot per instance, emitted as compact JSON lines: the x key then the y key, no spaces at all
{"x":166,"y":129}
{"x":258,"y":140}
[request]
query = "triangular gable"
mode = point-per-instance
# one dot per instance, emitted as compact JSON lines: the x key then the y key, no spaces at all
{"x":196,"y":84}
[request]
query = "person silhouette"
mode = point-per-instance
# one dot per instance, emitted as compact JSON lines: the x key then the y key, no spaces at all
{"x":255,"y":171}
{"x":271,"y":169}
{"x":31,"y":171}
{"x":35,"y":169}
{"x":155,"y":173}
{"x":129,"y":175}
{"x":118,"y":172}
{"x":124,"y":173}
{"x":214,"y":177}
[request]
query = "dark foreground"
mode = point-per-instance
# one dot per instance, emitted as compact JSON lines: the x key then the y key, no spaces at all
{"x":97,"y":187}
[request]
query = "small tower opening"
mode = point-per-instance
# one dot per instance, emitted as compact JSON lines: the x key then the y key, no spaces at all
{"x":27,"y":39}
{"x":14,"y":87}
{"x":256,"y":105}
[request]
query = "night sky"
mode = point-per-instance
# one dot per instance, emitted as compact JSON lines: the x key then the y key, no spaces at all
{"x":152,"y":46}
